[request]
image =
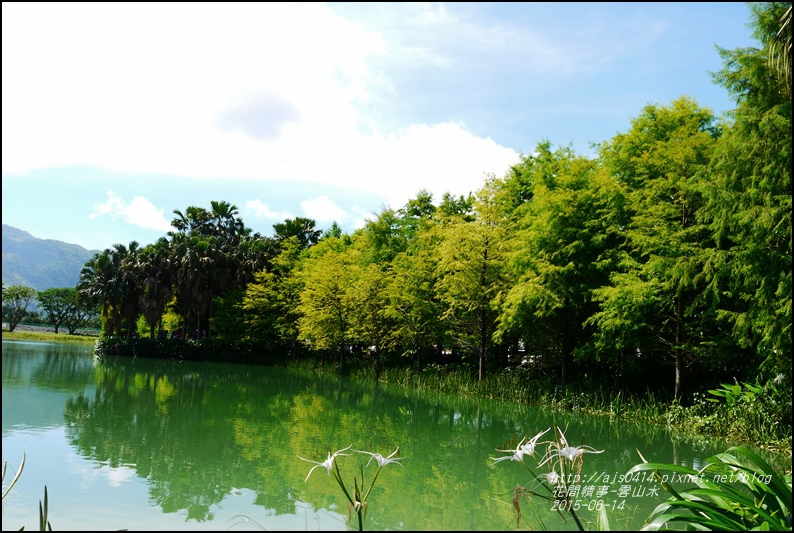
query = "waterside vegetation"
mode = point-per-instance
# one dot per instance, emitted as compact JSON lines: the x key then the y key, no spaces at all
{"x":642,"y":282}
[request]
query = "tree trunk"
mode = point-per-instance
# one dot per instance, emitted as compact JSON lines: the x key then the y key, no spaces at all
{"x":677,"y":354}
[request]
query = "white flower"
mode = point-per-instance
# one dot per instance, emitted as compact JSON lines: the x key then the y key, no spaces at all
{"x":521,"y":450}
{"x":552,"y":477}
{"x":383,"y":461}
{"x":529,"y":447}
{"x":517,"y":454}
{"x":328,"y":463}
{"x":565,"y":451}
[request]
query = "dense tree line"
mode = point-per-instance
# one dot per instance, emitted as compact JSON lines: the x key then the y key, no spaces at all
{"x":664,"y":258}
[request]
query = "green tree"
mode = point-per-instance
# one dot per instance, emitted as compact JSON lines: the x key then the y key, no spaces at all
{"x":82,"y":315}
{"x":471,"y":275}
{"x":16,"y":300}
{"x":567,"y":215}
{"x":656,"y":300}
{"x":157,"y":272}
{"x":325,"y":307}
{"x":212,"y":253}
{"x":271,"y":301}
{"x":370,"y":322}
{"x":130,"y":270}
{"x":58,"y":304}
{"x":101,"y":285}
{"x":303,"y":229}
{"x":413,"y":305}
{"x":749,"y":201}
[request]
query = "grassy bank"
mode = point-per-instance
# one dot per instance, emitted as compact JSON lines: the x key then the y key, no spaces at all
{"x":46,"y":337}
{"x":761,"y":418}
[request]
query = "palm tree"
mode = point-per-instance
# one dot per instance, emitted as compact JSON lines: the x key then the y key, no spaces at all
{"x":780,"y":53}
{"x":96,"y":286}
{"x":130,"y":283}
{"x":157,"y":279}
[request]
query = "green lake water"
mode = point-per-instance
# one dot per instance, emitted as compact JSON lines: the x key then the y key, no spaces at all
{"x":143,"y":444}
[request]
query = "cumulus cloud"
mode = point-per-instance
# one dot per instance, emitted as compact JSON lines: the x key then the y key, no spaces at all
{"x":257,"y":101}
{"x":260,"y":115}
{"x":261,"y":210}
{"x":140,"y":212}
{"x":323,"y":209}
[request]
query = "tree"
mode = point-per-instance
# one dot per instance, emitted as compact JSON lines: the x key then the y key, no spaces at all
{"x":270,"y":303}
{"x":414,"y":306}
{"x":130,"y":270}
{"x":213,"y":254}
{"x":470,"y":271}
{"x":780,"y":53}
{"x":81,"y":316}
{"x":16,"y":300}
{"x":158,"y":272}
{"x":370,"y":322}
{"x":567,"y":215}
{"x":657,"y":300}
{"x":99,"y":285}
{"x":58,"y":304}
{"x":749,"y":201}
{"x":325,"y":307}
{"x":303,"y":229}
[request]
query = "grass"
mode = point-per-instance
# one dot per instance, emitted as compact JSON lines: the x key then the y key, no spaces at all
{"x":47,"y":337}
{"x":753,"y":422}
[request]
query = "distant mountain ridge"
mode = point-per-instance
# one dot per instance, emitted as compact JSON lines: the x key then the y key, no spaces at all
{"x":41,"y":263}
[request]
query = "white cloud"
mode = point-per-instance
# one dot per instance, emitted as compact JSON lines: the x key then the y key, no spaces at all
{"x":323,"y":209}
{"x":261,"y":210}
{"x":173,"y":103}
{"x":140,"y":212}
{"x":88,"y":475}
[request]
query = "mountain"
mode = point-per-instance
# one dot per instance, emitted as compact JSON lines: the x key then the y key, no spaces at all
{"x":41,"y":263}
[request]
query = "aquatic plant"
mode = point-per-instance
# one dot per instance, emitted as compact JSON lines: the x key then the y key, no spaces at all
{"x":357,"y":500}
{"x":44,"y":523}
{"x":735,"y":491}
{"x":563,"y":467}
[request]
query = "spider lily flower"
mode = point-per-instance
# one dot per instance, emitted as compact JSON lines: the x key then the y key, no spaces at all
{"x":563,"y":450}
{"x":383,"y":461}
{"x":529,"y":447}
{"x":552,"y":477}
{"x":328,"y":463}
{"x":521,"y":450}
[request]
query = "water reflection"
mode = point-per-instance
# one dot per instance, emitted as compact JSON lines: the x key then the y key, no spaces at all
{"x":199,"y":436}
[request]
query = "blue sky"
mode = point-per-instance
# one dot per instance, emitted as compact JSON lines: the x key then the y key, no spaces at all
{"x":115,"y":115}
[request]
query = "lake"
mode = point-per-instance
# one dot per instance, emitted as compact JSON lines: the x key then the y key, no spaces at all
{"x":145,"y":444}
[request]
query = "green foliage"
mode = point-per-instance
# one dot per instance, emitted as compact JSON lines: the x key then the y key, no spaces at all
{"x":325,"y":311}
{"x":735,"y":491}
{"x":566,"y":215}
{"x":470,"y":273}
{"x":732,"y":392}
{"x":63,"y":308}
{"x":16,"y":300}
{"x":748,"y":412}
{"x":659,"y":293}
{"x":749,"y":201}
